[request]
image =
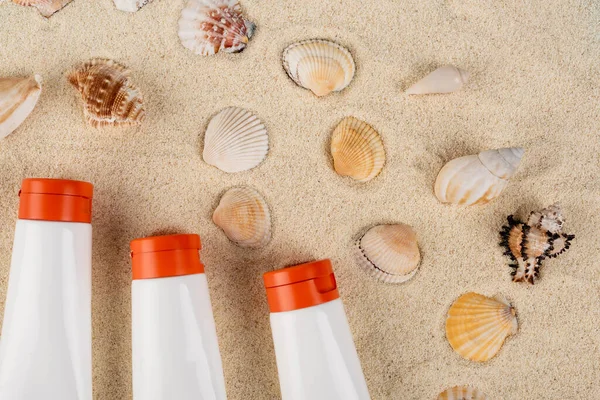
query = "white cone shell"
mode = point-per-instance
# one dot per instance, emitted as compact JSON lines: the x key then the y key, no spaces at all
{"x":235,"y":140}
{"x":462,"y":393}
{"x":18,"y":97}
{"x":446,"y":79}
{"x":130,"y":5}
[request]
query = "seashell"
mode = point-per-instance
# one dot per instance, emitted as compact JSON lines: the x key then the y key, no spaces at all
{"x":130,"y":5}
{"x":18,"y":97}
{"x":319,"y":65}
{"x":529,"y":244}
{"x":477,"y":179}
{"x":244,"y":216}
{"x":446,"y":79}
{"x":477,"y":325}
{"x":209,"y":26}
{"x":109,"y":98}
{"x":235,"y":140}
{"x":462,"y":393}
{"x":45,"y":7}
{"x":390,"y":253}
{"x":357,"y":150}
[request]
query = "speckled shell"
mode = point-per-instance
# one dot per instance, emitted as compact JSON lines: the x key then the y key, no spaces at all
{"x":109,"y":98}
{"x":319,"y":65}
{"x":209,"y":26}
{"x":130,"y":5}
{"x":477,"y":325}
{"x":235,"y":140}
{"x":18,"y":98}
{"x":389,"y":253}
{"x":462,"y":393}
{"x":446,"y":79}
{"x":357,"y":150}
{"x":45,"y":7}
{"x":477,"y":179}
{"x":244,"y":216}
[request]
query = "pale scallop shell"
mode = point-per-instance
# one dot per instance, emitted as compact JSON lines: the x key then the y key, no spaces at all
{"x":130,"y":5}
{"x":209,"y":26}
{"x":357,"y":150}
{"x":244,"y":216}
{"x":390,"y":253}
{"x":109,"y":98}
{"x":235,"y":140}
{"x":45,"y":7}
{"x":446,"y":79}
{"x":319,"y":65}
{"x":462,"y":393}
{"x":477,"y":325}
{"x":477,"y":179}
{"x":18,"y":97}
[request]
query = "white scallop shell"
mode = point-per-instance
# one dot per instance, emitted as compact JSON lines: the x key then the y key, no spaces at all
{"x":446,"y":79}
{"x":462,"y":393}
{"x":18,"y":97}
{"x":235,"y":140}
{"x":130,"y":5}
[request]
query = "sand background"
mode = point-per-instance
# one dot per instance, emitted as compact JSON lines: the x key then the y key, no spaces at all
{"x":535,"y":83}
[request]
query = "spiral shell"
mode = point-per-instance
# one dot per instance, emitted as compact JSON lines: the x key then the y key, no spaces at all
{"x":446,"y":79}
{"x":462,"y":393}
{"x":45,"y":7}
{"x":18,"y":98}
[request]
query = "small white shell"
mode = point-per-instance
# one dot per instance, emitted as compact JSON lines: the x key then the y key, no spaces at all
{"x":462,"y":393}
{"x":130,"y":5}
{"x":235,"y":140}
{"x":445,"y":79}
{"x":18,"y":97}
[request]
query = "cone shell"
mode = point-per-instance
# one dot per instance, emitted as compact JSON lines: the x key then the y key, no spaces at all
{"x":477,"y":325}
{"x":244,"y":216}
{"x":45,"y":7}
{"x":319,"y":65}
{"x":109,"y":98}
{"x":446,"y":79}
{"x":209,"y":26}
{"x":235,"y":140}
{"x":18,"y":97}
{"x":130,"y":5}
{"x":357,"y":150}
{"x":462,"y":393}
{"x":390,"y":253}
{"x":477,"y":179}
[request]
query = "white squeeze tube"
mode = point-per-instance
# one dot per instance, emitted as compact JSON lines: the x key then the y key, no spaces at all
{"x":175,"y":348}
{"x":45,"y":347}
{"x":316,"y":357}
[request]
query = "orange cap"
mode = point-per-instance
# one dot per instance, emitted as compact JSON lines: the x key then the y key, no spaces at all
{"x":56,"y":200}
{"x":164,"y":256}
{"x":301,"y":286}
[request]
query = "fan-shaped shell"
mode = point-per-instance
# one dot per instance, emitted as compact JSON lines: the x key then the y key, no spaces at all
{"x":45,"y":7}
{"x":477,"y":325}
{"x":477,"y":179}
{"x":244,"y":216}
{"x":357,"y":150}
{"x":235,"y":140}
{"x":18,"y":97}
{"x":462,"y":393}
{"x":209,"y":26}
{"x":390,"y":253}
{"x":130,"y":5}
{"x":446,"y":79}
{"x":319,"y":65}
{"x":109,"y":98}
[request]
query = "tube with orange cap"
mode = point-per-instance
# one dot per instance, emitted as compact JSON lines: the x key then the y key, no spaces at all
{"x":316,"y":357}
{"x":45,"y":347}
{"x":175,"y":349}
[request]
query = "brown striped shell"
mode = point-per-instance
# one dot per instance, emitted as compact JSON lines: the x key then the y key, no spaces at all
{"x":18,"y":97}
{"x":45,"y":7}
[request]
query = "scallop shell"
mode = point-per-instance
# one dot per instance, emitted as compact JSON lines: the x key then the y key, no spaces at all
{"x":244,"y":216}
{"x":319,"y":65}
{"x":462,"y":393}
{"x":45,"y":7}
{"x":357,"y":150}
{"x":235,"y":140}
{"x":390,"y":253}
{"x":18,"y":97}
{"x":477,"y":179}
{"x":209,"y":26}
{"x":109,"y":98}
{"x":130,"y":5}
{"x":477,"y":325}
{"x":446,"y":79}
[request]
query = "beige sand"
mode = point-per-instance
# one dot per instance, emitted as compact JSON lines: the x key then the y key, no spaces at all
{"x":535,"y":83}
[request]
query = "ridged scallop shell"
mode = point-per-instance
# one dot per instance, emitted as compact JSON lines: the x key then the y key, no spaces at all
{"x":446,"y":79}
{"x":319,"y":65}
{"x":390,"y":253}
{"x":244,"y":216}
{"x":18,"y":97}
{"x":109,"y":98}
{"x":45,"y":7}
{"x":236,"y":140}
{"x":462,"y":393}
{"x":209,"y":26}
{"x":357,"y":150}
{"x":477,"y":325}
{"x":130,"y":5}
{"x":477,"y":179}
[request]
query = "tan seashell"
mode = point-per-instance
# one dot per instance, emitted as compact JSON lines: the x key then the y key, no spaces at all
{"x":357,"y":150}
{"x":109,"y":98}
{"x":18,"y":97}
{"x":477,"y":325}
{"x":236,"y":140}
{"x":319,"y":65}
{"x":45,"y":7}
{"x":209,"y":26}
{"x":244,"y":216}
{"x":477,"y":179}
{"x":390,"y":253}
{"x":445,"y":79}
{"x":462,"y":393}
{"x":130,"y":5}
